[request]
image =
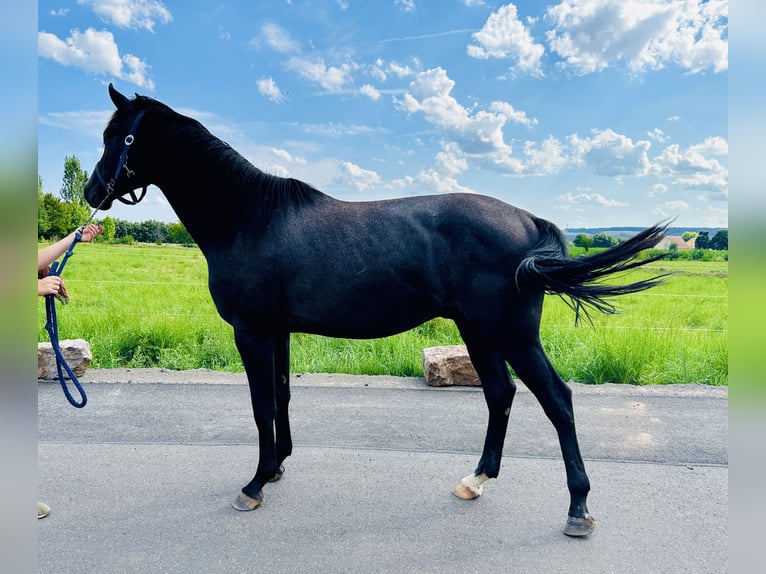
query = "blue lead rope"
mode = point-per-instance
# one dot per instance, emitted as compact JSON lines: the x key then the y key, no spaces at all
{"x":53,"y":330}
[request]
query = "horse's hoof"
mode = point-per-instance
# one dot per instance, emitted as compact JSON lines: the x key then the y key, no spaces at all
{"x":579,"y":527}
{"x":279,"y":473}
{"x":466,"y":492}
{"x":471,"y":486}
{"x":243,"y":502}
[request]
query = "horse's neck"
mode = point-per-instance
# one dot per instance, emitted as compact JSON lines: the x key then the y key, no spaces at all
{"x":205,"y":197}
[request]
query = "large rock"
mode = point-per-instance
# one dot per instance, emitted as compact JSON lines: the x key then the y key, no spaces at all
{"x":449,"y":366}
{"x":75,"y":351}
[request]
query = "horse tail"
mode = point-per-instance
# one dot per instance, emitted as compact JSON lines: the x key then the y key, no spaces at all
{"x":577,"y":281}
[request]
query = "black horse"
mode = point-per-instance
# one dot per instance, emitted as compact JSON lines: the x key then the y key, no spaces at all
{"x":283,"y":257}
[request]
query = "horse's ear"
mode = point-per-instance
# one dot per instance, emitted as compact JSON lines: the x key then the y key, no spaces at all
{"x":118,"y":99}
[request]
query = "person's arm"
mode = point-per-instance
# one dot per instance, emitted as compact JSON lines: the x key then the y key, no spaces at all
{"x":49,"y":254}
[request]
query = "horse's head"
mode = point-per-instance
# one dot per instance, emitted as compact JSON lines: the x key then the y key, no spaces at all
{"x":113,"y":177}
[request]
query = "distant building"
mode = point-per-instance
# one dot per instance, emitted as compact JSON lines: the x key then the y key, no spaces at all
{"x":669,"y":240}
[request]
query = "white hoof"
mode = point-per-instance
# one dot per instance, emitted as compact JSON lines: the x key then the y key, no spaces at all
{"x":470,"y":487}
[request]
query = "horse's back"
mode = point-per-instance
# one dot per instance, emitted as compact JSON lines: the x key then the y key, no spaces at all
{"x":453,"y":216}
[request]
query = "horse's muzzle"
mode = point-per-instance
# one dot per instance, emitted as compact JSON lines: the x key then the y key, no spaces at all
{"x":96,"y":193}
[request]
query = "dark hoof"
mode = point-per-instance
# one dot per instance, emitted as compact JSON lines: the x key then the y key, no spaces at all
{"x":579,"y":527}
{"x":279,"y":474}
{"x":244,"y":503}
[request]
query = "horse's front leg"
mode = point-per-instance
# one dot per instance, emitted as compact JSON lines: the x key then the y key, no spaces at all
{"x":257,"y":352}
{"x":284,"y":441}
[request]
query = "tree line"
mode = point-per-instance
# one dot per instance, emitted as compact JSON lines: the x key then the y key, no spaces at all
{"x":58,"y":216}
{"x":719,"y":241}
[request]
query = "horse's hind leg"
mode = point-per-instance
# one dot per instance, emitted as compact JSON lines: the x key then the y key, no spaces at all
{"x":533,"y":367}
{"x":499,"y":391}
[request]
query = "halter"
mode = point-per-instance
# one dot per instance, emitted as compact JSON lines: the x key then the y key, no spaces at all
{"x":123,"y":163}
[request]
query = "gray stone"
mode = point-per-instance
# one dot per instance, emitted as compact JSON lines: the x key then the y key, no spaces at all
{"x":75,"y":351}
{"x":449,"y":366}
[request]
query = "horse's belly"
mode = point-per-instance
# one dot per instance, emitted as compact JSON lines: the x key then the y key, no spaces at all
{"x":370,"y":320}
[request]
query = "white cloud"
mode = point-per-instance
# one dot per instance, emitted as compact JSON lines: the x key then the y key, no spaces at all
{"x":716,"y":184}
{"x":399,"y":70}
{"x":591,"y":36}
{"x":331,"y":78}
{"x":507,"y":110}
{"x":692,"y":168}
{"x":593,"y":199}
{"x":716,"y":217}
{"x":474,"y":135}
{"x":505,"y":36}
{"x":276,"y":38}
{"x":657,"y":135}
{"x":670,"y":209}
{"x":268,"y":87}
{"x":358,"y":177}
{"x":287,"y":156}
{"x":715,"y":145}
{"x":130,"y":13}
{"x":136,"y":71}
{"x":611,"y":154}
{"x":547,"y":158}
{"x":430,"y":92}
{"x":95,"y":52}
{"x":370,"y":91}
{"x":451,"y":161}
{"x":335,"y":130}
{"x":430,"y":181}
{"x":406,"y":5}
{"x":657,"y":189}
{"x":223,"y":33}
{"x":674,"y":159}
{"x":377,"y":70}
{"x":89,"y":123}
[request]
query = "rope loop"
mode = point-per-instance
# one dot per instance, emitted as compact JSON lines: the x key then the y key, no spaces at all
{"x":53,"y":331}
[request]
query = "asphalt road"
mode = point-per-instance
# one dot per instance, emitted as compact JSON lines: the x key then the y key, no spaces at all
{"x":141,"y":479}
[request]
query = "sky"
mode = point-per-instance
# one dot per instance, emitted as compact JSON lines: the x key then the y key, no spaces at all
{"x":589,"y":113}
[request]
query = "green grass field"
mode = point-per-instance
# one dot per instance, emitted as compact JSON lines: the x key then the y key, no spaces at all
{"x":148,"y":306}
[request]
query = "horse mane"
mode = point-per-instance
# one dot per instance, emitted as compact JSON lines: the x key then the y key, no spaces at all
{"x":260,"y":195}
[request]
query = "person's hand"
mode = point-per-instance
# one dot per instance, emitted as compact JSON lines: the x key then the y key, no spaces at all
{"x":49,"y":285}
{"x":90,"y":232}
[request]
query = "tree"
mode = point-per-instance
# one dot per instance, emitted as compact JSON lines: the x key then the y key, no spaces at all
{"x":604,"y":240}
{"x":177,"y":233}
{"x":58,"y":216}
{"x":720,"y":240}
{"x":109,"y":228}
{"x":702,"y":241}
{"x":73,"y":184}
{"x":583,"y":240}
{"x":43,"y":225}
{"x":687,"y":235}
